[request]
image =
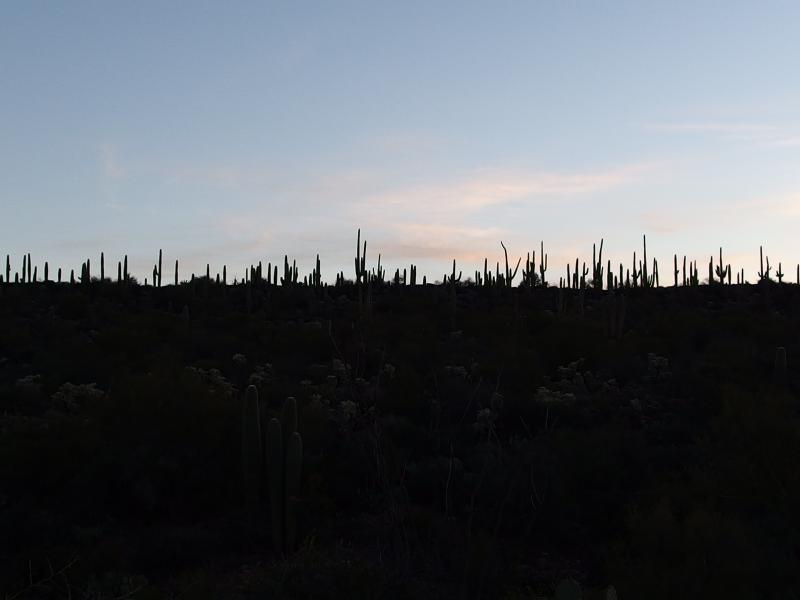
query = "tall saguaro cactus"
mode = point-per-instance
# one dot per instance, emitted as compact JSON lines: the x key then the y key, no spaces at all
{"x":597,"y":267}
{"x":252,"y":467}
{"x":645,"y":280}
{"x":284,"y":465}
{"x":159,"y":269}
{"x":360,"y":260}
{"x":283,"y":462}
{"x":509,"y":274}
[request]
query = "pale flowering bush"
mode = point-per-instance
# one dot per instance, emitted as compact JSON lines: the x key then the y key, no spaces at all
{"x":30,"y":385}
{"x":456,"y":370}
{"x":214,"y":380}
{"x":70,"y":397}
{"x":484,"y":421}
{"x":548,"y":396}
{"x":348,"y":410}
{"x":261,"y":376}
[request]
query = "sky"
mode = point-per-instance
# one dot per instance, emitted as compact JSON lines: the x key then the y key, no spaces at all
{"x":237,"y":132}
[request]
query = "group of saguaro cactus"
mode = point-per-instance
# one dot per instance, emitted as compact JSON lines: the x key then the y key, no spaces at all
{"x":289,"y":273}
{"x":641,"y":274}
{"x":762,"y":274}
{"x":272,"y":464}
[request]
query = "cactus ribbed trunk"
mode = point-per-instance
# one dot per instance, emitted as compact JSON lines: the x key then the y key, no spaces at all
{"x":252,"y":452}
{"x":292,"y":480}
{"x":276,"y":481}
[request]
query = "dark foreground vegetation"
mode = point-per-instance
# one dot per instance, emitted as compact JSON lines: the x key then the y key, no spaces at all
{"x":463,"y":440}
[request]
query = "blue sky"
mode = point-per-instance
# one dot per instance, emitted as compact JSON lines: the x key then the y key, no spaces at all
{"x":235,"y":132}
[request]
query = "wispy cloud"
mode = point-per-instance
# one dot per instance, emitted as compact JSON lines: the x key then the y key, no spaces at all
{"x":491,"y":187}
{"x":783,"y":205}
{"x":444,"y":220}
{"x":759,"y":134}
{"x":434,"y":241}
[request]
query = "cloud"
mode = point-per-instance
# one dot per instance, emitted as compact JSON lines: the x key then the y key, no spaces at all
{"x":782,"y":205}
{"x":443,"y":220}
{"x":490,"y":187}
{"x":758,"y":134}
{"x":424,"y":241}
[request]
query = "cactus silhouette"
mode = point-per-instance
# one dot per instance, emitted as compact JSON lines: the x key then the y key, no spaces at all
{"x":283,"y":463}
{"x":252,"y":467}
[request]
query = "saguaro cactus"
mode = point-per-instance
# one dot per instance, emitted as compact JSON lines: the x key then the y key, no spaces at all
{"x":720,"y":269}
{"x":275,"y":480}
{"x":597,"y":267}
{"x":360,"y":260}
{"x":252,"y":467}
{"x":283,"y":461}
{"x":509,"y":273}
{"x":762,"y":274}
{"x":645,"y":279}
{"x":284,"y":464}
{"x":675,"y":269}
